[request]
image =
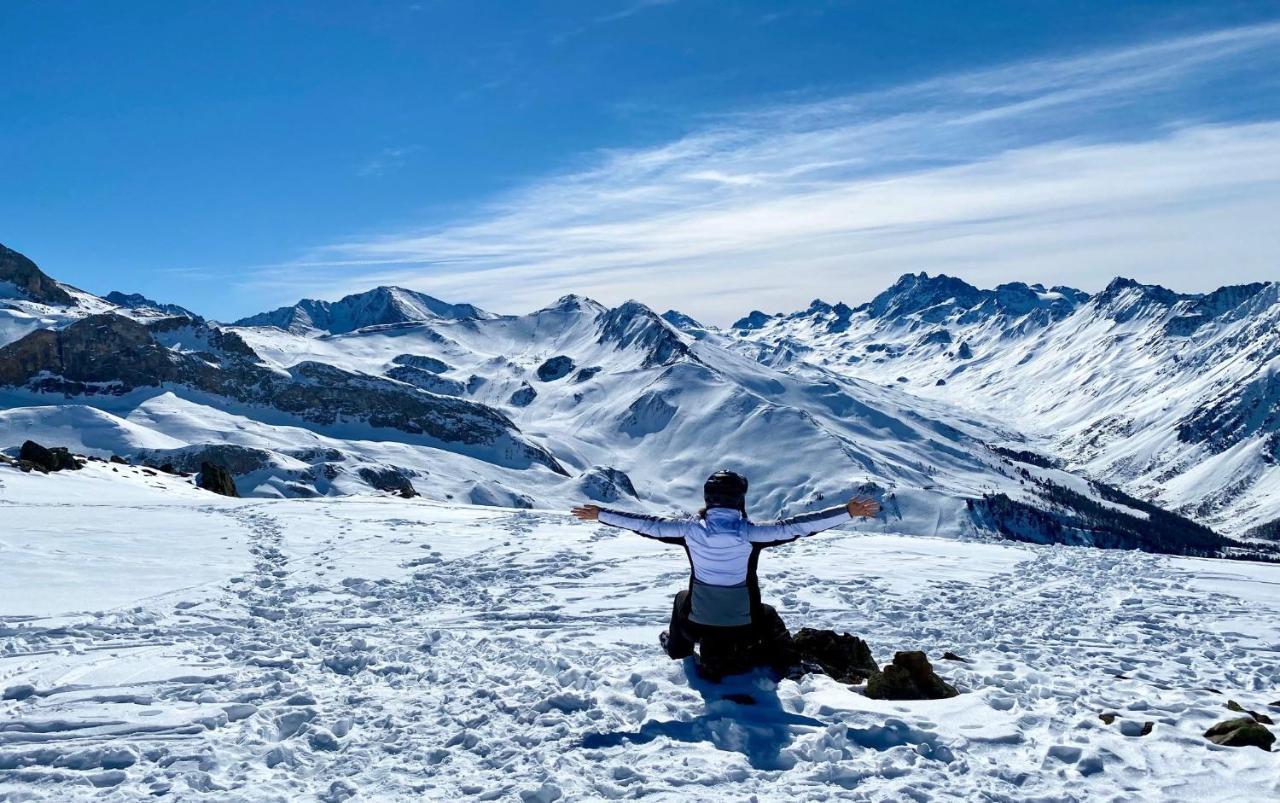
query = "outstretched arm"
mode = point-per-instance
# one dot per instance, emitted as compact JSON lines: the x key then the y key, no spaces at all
{"x":671,"y":531}
{"x":809,"y":523}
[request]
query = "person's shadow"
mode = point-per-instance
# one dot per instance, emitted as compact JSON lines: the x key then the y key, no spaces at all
{"x":743,"y":714}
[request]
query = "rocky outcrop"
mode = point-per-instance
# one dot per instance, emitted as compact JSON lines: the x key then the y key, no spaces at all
{"x":238,"y":460}
{"x":909,"y":677}
{"x":1242,"y":732}
{"x":635,"y":326}
{"x":57,"y":458}
{"x":555,"y":368}
{"x":426,"y":380}
{"x":30,"y":281}
{"x":112,"y":354}
{"x":216,"y":478}
{"x":844,"y":657}
{"x":422,"y":362}
{"x":523,"y":396}
{"x":606,"y":484}
{"x":389,"y":479}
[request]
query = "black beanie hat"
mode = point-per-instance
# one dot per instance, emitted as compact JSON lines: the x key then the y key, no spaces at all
{"x":725,"y":489}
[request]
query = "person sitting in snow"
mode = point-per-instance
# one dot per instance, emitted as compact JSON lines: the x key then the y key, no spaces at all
{"x":721,"y":609}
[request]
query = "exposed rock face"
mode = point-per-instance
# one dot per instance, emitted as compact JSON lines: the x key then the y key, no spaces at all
{"x":524,"y":396}
{"x":753,"y":320}
{"x":214,"y":477}
{"x":389,"y":479}
{"x":236,"y":459}
{"x":1242,"y":732}
{"x":909,"y":677}
{"x":634,"y":325}
{"x":426,"y":380}
{"x":555,"y":368}
{"x":607,"y":484}
{"x":587,"y":373}
{"x":112,"y":354}
{"x":422,"y":362}
{"x":844,"y":657}
{"x":46,"y":459}
{"x":22,"y":273}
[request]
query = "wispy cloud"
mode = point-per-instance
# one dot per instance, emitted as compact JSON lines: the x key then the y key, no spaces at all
{"x":1066,"y":170}
{"x":386,"y":161}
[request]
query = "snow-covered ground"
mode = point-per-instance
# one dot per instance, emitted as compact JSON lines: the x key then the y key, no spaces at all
{"x":156,"y":639}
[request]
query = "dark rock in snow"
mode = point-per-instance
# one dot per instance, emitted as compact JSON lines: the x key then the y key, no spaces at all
{"x":606,"y":484}
{"x":951,"y":656}
{"x":1242,"y":732}
{"x":427,"y":380}
{"x":389,"y":479}
{"x":1232,"y":705}
{"x":524,"y":396}
{"x":844,"y":657}
{"x":57,"y":458}
{"x":19,"y":692}
{"x":214,"y":477}
{"x":964,"y":352}
{"x":909,"y":677}
{"x":236,"y":459}
{"x":115,"y":458}
{"x":555,"y":368}
{"x":422,"y":362}
{"x":586,"y":373}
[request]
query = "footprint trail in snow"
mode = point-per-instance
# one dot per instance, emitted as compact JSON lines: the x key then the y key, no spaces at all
{"x":404,"y":649}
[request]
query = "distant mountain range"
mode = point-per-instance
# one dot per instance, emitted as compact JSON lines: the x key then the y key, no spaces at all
{"x":911,"y":397}
{"x":1173,"y":397}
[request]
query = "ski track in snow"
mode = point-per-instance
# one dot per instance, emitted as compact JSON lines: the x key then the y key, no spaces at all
{"x":403,"y":650}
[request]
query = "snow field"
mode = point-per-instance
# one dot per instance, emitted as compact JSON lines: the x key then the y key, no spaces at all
{"x":397,"y":649}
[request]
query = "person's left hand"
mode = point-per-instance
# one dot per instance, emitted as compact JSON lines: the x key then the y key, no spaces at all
{"x":587,"y":512}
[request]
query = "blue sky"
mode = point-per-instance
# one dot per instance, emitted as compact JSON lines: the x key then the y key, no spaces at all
{"x":709,"y":156}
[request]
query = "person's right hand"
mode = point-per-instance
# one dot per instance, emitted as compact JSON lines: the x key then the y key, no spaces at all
{"x":587,"y":512}
{"x":860,"y":507}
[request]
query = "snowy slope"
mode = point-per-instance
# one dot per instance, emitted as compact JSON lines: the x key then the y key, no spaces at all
{"x":316,"y":649}
{"x":1173,"y":397}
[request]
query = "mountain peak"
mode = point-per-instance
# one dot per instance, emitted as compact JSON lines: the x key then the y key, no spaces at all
{"x":137,"y":301}
{"x":634,"y":325}
{"x":385,"y":304}
{"x":29,"y":281}
{"x":1120,"y":287}
{"x":919,"y":291}
{"x":753,"y":320}
{"x":573,"y":302}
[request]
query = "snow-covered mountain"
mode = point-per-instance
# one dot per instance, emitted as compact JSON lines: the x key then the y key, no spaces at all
{"x":1174,"y":397}
{"x":397,"y":391}
{"x":379,"y":306}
